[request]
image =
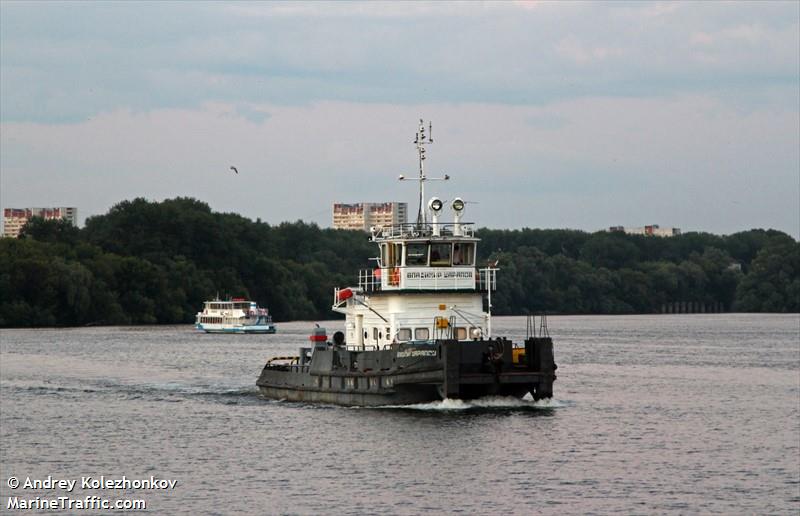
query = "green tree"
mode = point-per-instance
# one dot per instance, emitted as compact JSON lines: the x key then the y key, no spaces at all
{"x":156,"y":262}
{"x":773,"y":284}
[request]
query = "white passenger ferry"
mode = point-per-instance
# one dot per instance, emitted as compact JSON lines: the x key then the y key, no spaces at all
{"x":235,"y":316}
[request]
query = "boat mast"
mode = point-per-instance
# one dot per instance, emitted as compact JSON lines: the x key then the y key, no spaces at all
{"x":421,"y":140}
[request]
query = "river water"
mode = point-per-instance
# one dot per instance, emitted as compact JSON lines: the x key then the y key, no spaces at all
{"x":652,"y":414}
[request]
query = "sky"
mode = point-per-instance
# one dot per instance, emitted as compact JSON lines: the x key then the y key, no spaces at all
{"x":545,"y":114}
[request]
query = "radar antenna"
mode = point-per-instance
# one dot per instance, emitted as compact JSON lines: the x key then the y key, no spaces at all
{"x":420,"y":140}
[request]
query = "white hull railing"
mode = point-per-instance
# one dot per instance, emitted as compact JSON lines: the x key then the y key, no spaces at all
{"x":368,"y":281}
{"x":487,"y":279}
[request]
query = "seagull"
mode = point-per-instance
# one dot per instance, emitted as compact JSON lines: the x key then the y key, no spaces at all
{"x":234,"y":169}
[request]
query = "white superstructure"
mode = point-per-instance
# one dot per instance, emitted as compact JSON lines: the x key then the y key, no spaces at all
{"x":426,"y":284}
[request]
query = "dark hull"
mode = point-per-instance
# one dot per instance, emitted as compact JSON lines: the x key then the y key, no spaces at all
{"x":359,"y":399}
{"x":413,"y":373}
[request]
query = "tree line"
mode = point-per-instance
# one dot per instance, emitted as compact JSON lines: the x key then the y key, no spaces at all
{"x":156,"y":262}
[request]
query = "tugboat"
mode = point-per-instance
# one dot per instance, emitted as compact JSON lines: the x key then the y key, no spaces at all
{"x":418,"y":327}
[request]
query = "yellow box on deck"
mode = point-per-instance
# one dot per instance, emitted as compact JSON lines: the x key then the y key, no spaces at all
{"x":518,"y":355}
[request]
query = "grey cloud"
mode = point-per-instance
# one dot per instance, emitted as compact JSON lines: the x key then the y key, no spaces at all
{"x":563,"y":114}
{"x":156,"y":55}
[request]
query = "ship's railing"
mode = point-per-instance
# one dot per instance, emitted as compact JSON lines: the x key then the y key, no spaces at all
{"x":530,"y":329}
{"x":413,"y":230}
{"x":487,"y":279}
{"x":369,"y":280}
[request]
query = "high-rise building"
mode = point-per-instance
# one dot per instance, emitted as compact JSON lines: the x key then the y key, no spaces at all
{"x":364,"y":215}
{"x":15,"y":218}
{"x":652,"y":230}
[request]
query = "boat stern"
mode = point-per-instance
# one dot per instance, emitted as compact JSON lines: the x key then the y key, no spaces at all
{"x":472,"y":369}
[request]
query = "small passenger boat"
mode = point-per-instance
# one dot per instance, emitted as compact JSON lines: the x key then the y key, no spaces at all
{"x":237,"y":315}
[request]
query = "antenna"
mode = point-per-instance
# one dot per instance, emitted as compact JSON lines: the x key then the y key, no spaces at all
{"x":420,"y":140}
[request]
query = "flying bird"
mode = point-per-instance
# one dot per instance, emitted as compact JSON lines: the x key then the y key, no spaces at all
{"x":234,"y":169}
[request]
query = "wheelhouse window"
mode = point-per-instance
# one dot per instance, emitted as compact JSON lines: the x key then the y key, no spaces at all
{"x":440,"y":255}
{"x":395,"y":255}
{"x":404,"y":334}
{"x":463,"y":253}
{"x":421,"y":334}
{"x":460,"y":333}
{"x":391,"y":255}
{"x":416,"y":254}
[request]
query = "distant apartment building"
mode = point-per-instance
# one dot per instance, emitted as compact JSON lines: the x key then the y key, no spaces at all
{"x":364,"y":215}
{"x":653,"y":230}
{"x":15,"y":218}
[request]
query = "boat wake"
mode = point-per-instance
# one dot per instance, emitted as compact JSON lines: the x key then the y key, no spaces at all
{"x":486,"y":403}
{"x":167,"y":391}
